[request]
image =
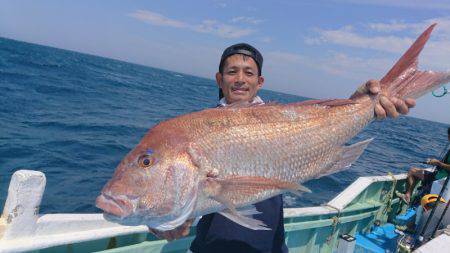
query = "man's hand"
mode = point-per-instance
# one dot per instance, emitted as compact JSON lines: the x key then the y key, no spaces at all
{"x":177,"y":233}
{"x":434,"y":162}
{"x":387,"y":106}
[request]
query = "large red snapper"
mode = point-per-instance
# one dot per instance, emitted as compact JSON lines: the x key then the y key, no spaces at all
{"x":219,"y":160}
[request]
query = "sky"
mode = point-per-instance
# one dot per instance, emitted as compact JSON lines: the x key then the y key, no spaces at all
{"x":316,"y":49}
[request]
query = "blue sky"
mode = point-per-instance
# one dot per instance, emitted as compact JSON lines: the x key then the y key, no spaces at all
{"x":319,"y":49}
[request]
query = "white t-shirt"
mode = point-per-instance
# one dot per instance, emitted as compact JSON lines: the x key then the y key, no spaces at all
{"x":256,"y":100}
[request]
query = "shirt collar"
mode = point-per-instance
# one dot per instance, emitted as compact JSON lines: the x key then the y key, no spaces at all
{"x":256,"y":100}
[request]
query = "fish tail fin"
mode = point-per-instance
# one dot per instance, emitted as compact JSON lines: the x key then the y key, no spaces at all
{"x":404,"y":79}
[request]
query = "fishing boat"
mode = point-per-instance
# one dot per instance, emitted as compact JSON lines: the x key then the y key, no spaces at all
{"x":366,"y":217}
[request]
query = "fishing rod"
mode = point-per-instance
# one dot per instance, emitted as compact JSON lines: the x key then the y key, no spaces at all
{"x":407,"y":162}
{"x":424,"y":229}
{"x":421,"y":162}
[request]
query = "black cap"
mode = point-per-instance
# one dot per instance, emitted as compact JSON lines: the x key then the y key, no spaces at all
{"x":245,"y":49}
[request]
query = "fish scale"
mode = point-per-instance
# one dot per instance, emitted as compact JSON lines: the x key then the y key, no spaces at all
{"x":286,"y":151}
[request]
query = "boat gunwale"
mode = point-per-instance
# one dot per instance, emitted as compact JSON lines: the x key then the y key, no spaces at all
{"x":101,"y":229}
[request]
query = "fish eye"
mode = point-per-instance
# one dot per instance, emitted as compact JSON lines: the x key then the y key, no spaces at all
{"x":146,"y":161}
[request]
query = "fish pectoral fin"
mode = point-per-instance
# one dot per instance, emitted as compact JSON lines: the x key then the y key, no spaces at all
{"x":349,"y":155}
{"x":196,"y":157}
{"x":221,"y":190}
{"x":242,"y":218}
{"x":254,"y":184}
{"x":300,"y":190}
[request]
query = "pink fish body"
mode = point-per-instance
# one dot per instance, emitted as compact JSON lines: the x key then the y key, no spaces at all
{"x":226,"y":159}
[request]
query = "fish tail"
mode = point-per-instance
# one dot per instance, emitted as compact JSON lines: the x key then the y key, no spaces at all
{"x":405,"y":80}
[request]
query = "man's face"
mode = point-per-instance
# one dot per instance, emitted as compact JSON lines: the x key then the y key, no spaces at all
{"x":240,"y":80}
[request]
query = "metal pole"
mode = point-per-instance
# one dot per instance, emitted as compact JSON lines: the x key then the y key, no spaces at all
{"x":433,"y":210}
{"x":440,"y":219}
{"x":442,"y":215}
{"x":437,"y":201}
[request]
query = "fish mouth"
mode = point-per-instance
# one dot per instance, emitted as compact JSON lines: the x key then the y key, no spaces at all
{"x":119,"y":206}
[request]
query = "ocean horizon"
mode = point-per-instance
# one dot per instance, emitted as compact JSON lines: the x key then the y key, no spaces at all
{"x":175,"y":72}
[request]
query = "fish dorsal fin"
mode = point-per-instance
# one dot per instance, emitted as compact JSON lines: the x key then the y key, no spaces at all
{"x":337,"y":102}
{"x":323,"y":102}
{"x":245,"y":104}
{"x":242,"y":104}
{"x":326,"y":102}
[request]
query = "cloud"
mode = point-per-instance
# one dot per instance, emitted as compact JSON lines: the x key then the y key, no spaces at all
{"x":440,"y":33}
{"x":409,"y":4}
{"x":392,"y":37}
{"x":156,"y":19}
{"x":393,"y":26}
{"x":213,"y":27}
{"x":442,"y":29}
{"x":249,"y":20}
{"x":346,"y":36}
{"x":355,"y":68}
{"x":221,"y":4}
{"x":334,"y":63}
{"x":266,"y":39}
{"x":285,"y":57}
{"x":222,"y":30}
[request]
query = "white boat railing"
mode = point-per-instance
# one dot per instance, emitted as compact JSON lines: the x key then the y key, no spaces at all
{"x":23,"y":229}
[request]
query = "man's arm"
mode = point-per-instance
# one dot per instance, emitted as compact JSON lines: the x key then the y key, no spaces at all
{"x":439,"y":164}
{"x":387,"y":106}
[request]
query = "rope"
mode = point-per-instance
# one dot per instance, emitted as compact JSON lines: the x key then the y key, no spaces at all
{"x":388,"y":202}
{"x":335,"y":220}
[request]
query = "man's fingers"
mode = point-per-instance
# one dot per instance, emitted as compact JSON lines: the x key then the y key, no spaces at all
{"x":389,"y":107}
{"x":400,"y":105}
{"x":373,"y":86}
{"x":185,"y":232}
{"x":189,"y":222}
{"x":410,"y":102}
{"x":380,"y":113}
{"x":168,"y":235}
{"x":185,"y":228}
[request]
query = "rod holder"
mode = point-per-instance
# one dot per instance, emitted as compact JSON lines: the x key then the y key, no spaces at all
{"x":20,"y":214}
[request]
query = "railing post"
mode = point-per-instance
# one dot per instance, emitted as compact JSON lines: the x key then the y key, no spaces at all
{"x":21,"y":209}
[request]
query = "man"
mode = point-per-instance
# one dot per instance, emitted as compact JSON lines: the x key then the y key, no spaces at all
{"x":239,"y":80}
{"x":426,"y":175}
